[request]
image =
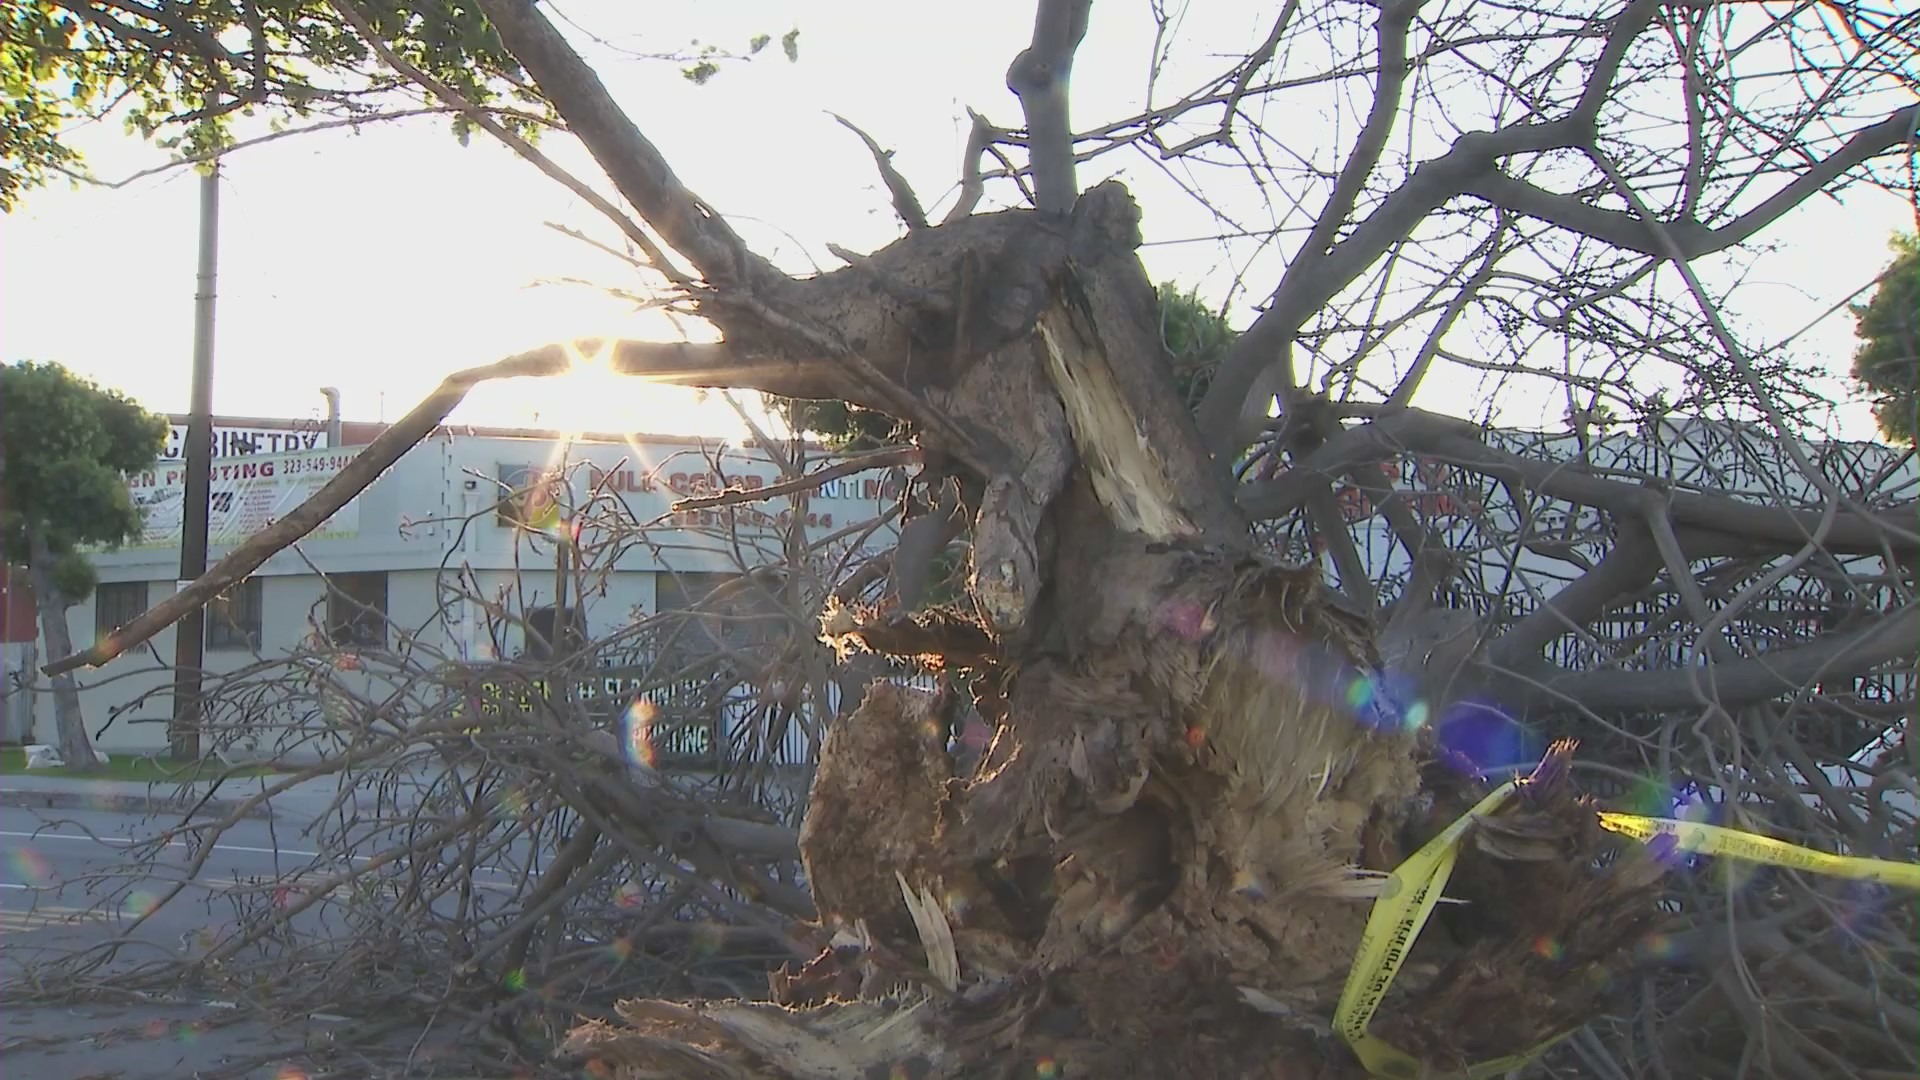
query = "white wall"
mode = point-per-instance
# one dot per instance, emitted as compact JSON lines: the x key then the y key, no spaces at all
{"x":413,"y":524}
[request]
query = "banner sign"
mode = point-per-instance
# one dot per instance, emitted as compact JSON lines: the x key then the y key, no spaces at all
{"x":676,"y":729}
{"x":251,"y":441}
{"x":248,"y":494}
{"x":531,"y":494}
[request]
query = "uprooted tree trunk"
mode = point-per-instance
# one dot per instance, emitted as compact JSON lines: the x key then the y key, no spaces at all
{"x":1198,"y":781}
{"x":1163,"y":865}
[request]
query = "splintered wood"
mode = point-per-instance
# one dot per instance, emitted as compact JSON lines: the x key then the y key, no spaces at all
{"x":1190,"y":821}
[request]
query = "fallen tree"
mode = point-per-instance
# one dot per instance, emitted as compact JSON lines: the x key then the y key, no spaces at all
{"x":1200,"y":773}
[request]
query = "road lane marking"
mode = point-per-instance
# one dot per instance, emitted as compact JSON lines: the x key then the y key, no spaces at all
{"x":122,"y":841}
{"x":494,"y":881}
{"x":47,"y":916}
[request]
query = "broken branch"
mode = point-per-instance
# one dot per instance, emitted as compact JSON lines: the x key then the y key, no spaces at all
{"x":681,"y":363}
{"x":905,"y":202}
{"x":878,"y":459}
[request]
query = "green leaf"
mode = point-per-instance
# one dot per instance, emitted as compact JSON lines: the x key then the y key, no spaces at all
{"x":790,"y":44}
{"x":760,"y":41}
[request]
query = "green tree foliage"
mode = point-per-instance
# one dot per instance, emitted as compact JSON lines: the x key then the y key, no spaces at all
{"x":66,"y":446}
{"x":1887,"y":363}
{"x":1196,"y":337}
{"x":69,"y":445}
{"x":180,"y":71}
{"x":1195,"y":334}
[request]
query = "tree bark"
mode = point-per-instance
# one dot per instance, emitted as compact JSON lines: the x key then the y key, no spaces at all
{"x":1192,"y":777}
{"x":76,"y":749}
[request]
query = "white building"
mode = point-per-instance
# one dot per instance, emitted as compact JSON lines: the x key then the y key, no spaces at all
{"x":394,"y":546}
{"x":435,"y":517}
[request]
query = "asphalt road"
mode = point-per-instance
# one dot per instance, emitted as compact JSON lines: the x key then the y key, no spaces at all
{"x":66,"y":882}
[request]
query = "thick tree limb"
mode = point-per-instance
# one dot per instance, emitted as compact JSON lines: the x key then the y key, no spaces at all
{"x":488,"y":122}
{"x":1629,"y":564}
{"x":1375,"y":441}
{"x":1041,"y":76}
{"x":1625,"y":229}
{"x":1730,"y":685}
{"x":905,"y":202}
{"x":1473,"y":154}
{"x":679,"y":363}
{"x":634,"y":165}
{"x":1447,"y":439}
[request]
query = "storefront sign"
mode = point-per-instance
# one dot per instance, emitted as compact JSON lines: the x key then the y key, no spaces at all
{"x":248,"y":494}
{"x":249,"y":441}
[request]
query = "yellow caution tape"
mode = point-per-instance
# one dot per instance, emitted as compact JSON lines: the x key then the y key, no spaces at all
{"x":1406,"y":901}
{"x":1699,"y":838}
{"x":1410,"y":893}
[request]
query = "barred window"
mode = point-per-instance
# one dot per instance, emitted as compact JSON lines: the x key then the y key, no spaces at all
{"x":117,"y":603}
{"x":357,"y":609}
{"x":233,"y":617}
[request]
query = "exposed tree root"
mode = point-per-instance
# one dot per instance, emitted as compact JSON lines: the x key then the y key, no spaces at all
{"x":1162,"y":868}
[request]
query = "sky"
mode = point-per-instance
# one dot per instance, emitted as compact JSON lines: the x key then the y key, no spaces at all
{"x":381,"y":260}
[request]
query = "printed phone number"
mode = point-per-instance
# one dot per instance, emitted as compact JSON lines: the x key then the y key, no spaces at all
{"x":330,"y":463}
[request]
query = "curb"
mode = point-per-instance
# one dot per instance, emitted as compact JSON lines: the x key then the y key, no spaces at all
{"x":128,"y":804}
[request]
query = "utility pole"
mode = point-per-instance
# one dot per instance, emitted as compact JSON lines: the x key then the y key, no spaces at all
{"x":190,"y":637}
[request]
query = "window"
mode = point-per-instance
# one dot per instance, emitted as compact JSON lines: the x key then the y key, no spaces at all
{"x":233,"y":617}
{"x":357,"y":609}
{"x":747,"y":615}
{"x":552,"y":633}
{"x":528,"y":495}
{"x":117,"y":603}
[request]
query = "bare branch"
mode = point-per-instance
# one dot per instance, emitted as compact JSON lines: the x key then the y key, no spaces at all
{"x":1446,"y":438}
{"x":485,"y":120}
{"x":971,"y":185}
{"x":630,"y":160}
{"x":1729,"y":685}
{"x":1041,"y":77}
{"x":905,"y":202}
{"x":678,"y":363}
{"x":1625,"y":229}
{"x":859,"y":463}
{"x":1629,"y":564}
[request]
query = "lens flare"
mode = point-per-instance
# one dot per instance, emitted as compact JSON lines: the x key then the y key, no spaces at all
{"x":707,"y":939}
{"x":1649,"y":796}
{"x":1862,"y":907}
{"x":139,"y":903}
{"x":1487,"y":739}
{"x":1246,"y":884}
{"x":32,"y":866}
{"x":290,"y":1072}
{"x":516,"y":980}
{"x":1360,"y":694}
{"x":630,"y":895}
{"x":1658,"y":947}
{"x":621,"y":949}
{"x":1548,"y":949}
{"x":1185,"y":618}
{"x":1046,"y":1069}
{"x":511,"y":803}
{"x":638,"y":723}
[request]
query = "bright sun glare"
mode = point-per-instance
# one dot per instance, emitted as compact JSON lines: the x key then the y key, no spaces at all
{"x":593,"y":398}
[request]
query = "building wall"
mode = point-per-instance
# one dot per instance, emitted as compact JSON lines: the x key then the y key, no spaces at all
{"x":421,"y":522}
